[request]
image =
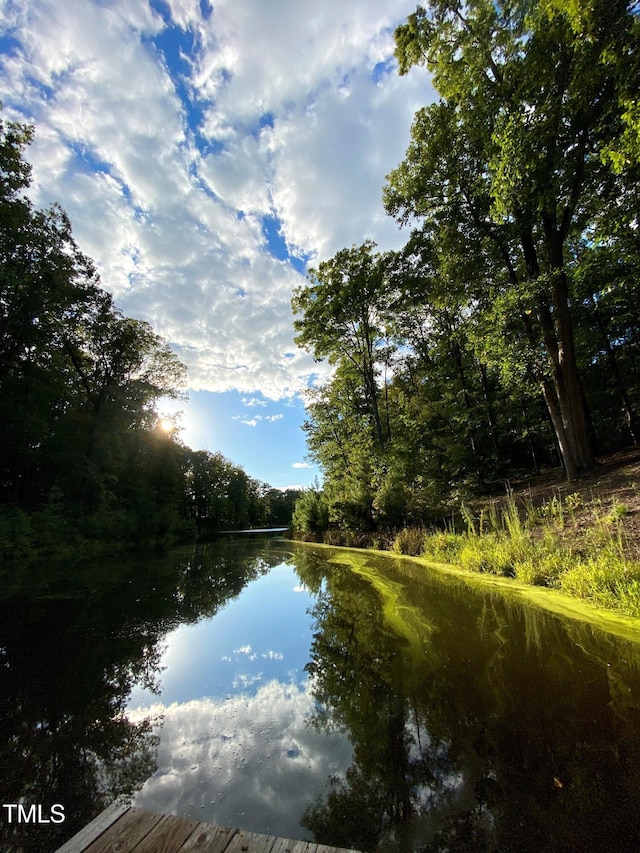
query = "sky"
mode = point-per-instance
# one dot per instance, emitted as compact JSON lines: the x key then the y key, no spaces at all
{"x":207,"y":154}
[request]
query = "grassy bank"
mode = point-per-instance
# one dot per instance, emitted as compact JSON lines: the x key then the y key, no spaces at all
{"x":581,"y":538}
{"x":547,"y":545}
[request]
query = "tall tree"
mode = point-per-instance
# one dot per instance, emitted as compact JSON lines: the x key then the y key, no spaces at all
{"x":341,"y":320}
{"x":45,"y":281}
{"x":512,"y":156}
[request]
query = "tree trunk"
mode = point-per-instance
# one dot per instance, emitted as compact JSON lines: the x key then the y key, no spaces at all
{"x":567,"y":380}
{"x":563,"y":395}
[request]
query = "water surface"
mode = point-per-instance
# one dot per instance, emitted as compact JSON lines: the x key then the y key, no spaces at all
{"x":315,"y":693}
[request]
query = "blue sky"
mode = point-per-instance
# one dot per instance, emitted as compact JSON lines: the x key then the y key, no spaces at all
{"x":206,"y":154}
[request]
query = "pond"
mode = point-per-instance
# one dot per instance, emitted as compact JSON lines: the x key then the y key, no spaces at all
{"x":305,"y":692}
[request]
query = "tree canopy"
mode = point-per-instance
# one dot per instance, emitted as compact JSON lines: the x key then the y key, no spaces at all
{"x":82,"y":453}
{"x":506,"y":325}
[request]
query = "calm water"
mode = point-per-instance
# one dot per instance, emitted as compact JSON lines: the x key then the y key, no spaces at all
{"x":315,"y":693}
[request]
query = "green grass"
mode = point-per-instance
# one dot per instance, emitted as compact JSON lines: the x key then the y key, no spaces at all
{"x":546,"y":546}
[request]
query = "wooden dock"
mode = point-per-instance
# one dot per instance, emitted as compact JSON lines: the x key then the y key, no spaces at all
{"x":124,"y":829}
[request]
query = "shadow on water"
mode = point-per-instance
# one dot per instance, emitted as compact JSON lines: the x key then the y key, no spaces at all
{"x":74,"y":639}
{"x":478,"y":723}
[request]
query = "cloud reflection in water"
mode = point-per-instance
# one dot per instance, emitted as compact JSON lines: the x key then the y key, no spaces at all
{"x":247,"y":760}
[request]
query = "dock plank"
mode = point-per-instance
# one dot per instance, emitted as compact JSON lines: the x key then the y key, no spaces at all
{"x":122,"y":829}
{"x":285,"y":845}
{"x":207,"y":838}
{"x":250,"y":842}
{"x":126,"y":832}
{"x":322,"y":848}
{"x":98,"y":826}
{"x":167,"y":836}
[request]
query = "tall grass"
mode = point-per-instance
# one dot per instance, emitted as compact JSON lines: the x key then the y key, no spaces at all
{"x":548,"y":546}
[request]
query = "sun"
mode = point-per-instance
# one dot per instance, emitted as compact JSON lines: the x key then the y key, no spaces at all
{"x":166,"y":425}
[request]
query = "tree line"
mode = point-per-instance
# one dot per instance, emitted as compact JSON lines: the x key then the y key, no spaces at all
{"x":504,"y":336}
{"x":82,"y":450}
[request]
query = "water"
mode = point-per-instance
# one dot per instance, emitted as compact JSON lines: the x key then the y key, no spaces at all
{"x":315,"y":693}
{"x":235,"y":746}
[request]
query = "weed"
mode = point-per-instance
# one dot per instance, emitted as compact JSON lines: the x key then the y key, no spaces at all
{"x":618,"y":511}
{"x":535,"y":547}
{"x":442,"y":547}
{"x":472,"y":527}
{"x":410,"y":541}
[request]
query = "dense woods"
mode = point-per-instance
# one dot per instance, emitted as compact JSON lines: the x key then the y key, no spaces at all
{"x":83,"y":453}
{"x":504,"y":336}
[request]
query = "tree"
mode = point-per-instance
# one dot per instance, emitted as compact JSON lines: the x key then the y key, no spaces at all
{"x":511,"y":159}
{"x":80,"y":441}
{"x":45,"y":281}
{"x":341,"y":320}
{"x":311,"y":513}
{"x":79,"y":382}
{"x":121,"y":362}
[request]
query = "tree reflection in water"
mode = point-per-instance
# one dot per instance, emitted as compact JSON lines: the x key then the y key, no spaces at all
{"x":478,"y":723}
{"x":73,"y":642}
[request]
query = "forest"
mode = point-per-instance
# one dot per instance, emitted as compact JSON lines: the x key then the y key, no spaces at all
{"x":503,"y":338}
{"x":84,"y":457}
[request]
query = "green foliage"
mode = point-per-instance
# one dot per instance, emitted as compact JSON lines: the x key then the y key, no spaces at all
{"x":311,"y":514}
{"x":503,"y":338}
{"x":83,"y":461}
{"x":532,"y":545}
{"x":221,"y":495}
{"x":442,"y":546}
{"x":15,"y":534}
{"x":510,"y":167}
{"x":341,"y":314}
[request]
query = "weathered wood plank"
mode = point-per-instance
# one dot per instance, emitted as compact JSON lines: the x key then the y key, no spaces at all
{"x":128,"y":831}
{"x":250,"y":842}
{"x":207,"y":838}
{"x":168,"y":835}
{"x":122,"y":829}
{"x":93,"y":830}
{"x":323,"y":849}
{"x":284,"y":845}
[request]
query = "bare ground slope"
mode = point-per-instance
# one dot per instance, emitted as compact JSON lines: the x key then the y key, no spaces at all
{"x":614,"y":483}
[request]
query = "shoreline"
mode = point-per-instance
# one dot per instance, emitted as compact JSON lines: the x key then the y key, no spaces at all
{"x":551,"y":600}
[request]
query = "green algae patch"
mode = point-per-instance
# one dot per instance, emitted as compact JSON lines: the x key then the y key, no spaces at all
{"x":554,"y":601}
{"x":408,"y":621}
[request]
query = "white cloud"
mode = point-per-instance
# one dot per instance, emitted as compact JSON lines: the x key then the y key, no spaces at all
{"x":301,"y":465}
{"x":255,"y":420}
{"x":244,"y":682}
{"x":167,"y":165}
{"x":271,"y":655}
{"x":331,"y":160}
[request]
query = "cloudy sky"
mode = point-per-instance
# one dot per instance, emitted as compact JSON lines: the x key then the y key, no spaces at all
{"x":205,"y":154}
